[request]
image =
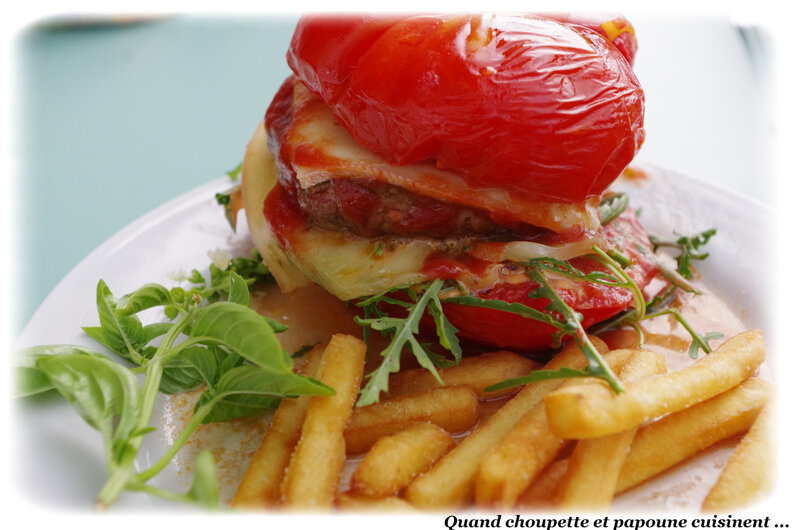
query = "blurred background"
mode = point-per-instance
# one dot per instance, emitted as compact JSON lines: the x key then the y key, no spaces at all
{"x":116,"y":116}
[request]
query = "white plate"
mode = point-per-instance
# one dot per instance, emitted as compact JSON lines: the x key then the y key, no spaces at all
{"x":59,"y":458}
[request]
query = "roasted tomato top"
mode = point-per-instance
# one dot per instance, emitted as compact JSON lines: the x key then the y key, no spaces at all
{"x":541,"y":107}
{"x":615,"y":28}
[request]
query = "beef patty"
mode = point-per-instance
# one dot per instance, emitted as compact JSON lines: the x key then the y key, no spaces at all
{"x":371,"y":208}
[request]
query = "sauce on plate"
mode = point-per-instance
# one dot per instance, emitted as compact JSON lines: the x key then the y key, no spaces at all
{"x":313,"y":316}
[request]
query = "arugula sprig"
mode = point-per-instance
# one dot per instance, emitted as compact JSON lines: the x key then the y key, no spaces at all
{"x":689,"y":247}
{"x":404,"y":331}
{"x":660,"y":305}
{"x":558,"y":314}
{"x":213,"y":338}
{"x":611,"y":206}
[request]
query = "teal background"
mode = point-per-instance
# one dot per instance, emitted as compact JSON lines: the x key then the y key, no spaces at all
{"x":118,"y":119}
{"x":115,"y":119}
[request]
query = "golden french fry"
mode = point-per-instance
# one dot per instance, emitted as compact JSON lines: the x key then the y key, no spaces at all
{"x":313,"y":474}
{"x":478,"y":372}
{"x":395,"y":460}
{"x":748,"y":473}
{"x":510,"y":466}
{"x":361,"y":503}
{"x":675,"y":437}
{"x":543,"y":492}
{"x":595,"y":463}
{"x":589,"y":411}
{"x":261,"y":485}
{"x":454,"y":408}
{"x":450,"y":482}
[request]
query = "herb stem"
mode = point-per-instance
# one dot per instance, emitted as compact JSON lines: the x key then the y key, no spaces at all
{"x":122,"y":473}
{"x":639,"y":302}
{"x":701,"y":341}
{"x":117,"y":481}
{"x":597,"y":365}
{"x":195,"y":421}
{"x":158,"y":492}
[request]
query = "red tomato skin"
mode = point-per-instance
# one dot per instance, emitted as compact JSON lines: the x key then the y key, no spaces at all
{"x":348,"y":37}
{"x":616,"y":28}
{"x":543,"y":108}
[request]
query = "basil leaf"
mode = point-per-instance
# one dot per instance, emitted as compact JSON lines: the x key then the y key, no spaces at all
{"x":247,"y":390}
{"x":227,"y":361}
{"x":191,"y":368}
{"x":204,"y":490}
{"x":238,"y":292}
{"x":152,"y":331}
{"x":122,"y":334}
{"x":244,"y":332}
{"x":104,"y":393}
{"x":29,"y":379}
{"x":29,"y":356}
{"x":145,"y":297}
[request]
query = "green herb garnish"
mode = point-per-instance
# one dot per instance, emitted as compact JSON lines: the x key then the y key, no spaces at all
{"x":689,"y":247}
{"x":611,"y":206}
{"x":404,"y":333}
{"x":558,"y":314}
{"x":213,"y":338}
{"x":233,"y":174}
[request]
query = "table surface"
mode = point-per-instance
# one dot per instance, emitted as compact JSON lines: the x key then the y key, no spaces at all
{"x":116,"y":119}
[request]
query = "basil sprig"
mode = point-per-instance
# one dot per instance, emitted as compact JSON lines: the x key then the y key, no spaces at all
{"x":212,"y":339}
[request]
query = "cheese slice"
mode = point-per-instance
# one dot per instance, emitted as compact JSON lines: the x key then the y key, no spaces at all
{"x":319,"y":148}
{"x":351,"y":267}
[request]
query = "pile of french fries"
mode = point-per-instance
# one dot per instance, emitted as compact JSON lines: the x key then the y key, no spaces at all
{"x":567,"y":445}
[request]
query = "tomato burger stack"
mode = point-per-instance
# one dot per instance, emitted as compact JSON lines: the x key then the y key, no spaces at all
{"x":411,"y":148}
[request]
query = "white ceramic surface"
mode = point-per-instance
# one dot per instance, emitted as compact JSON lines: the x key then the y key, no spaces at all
{"x":59,"y":459}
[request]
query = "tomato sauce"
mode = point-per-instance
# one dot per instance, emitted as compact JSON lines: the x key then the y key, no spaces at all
{"x":283,"y":214}
{"x":439,"y":265}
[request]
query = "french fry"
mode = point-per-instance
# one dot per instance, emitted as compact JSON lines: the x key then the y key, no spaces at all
{"x":313,"y":474}
{"x":590,"y":411}
{"x":450,"y":482}
{"x":748,"y":473}
{"x":361,"y":503}
{"x":675,"y":437}
{"x":395,"y":460}
{"x":543,"y":491}
{"x":478,"y":372}
{"x":261,"y":485}
{"x":510,"y":467}
{"x":595,"y":463}
{"x":454,"y":408}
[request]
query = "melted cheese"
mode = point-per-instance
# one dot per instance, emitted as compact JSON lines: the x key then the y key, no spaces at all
{"x":349,"y":266}
{"x":321,"y":149}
